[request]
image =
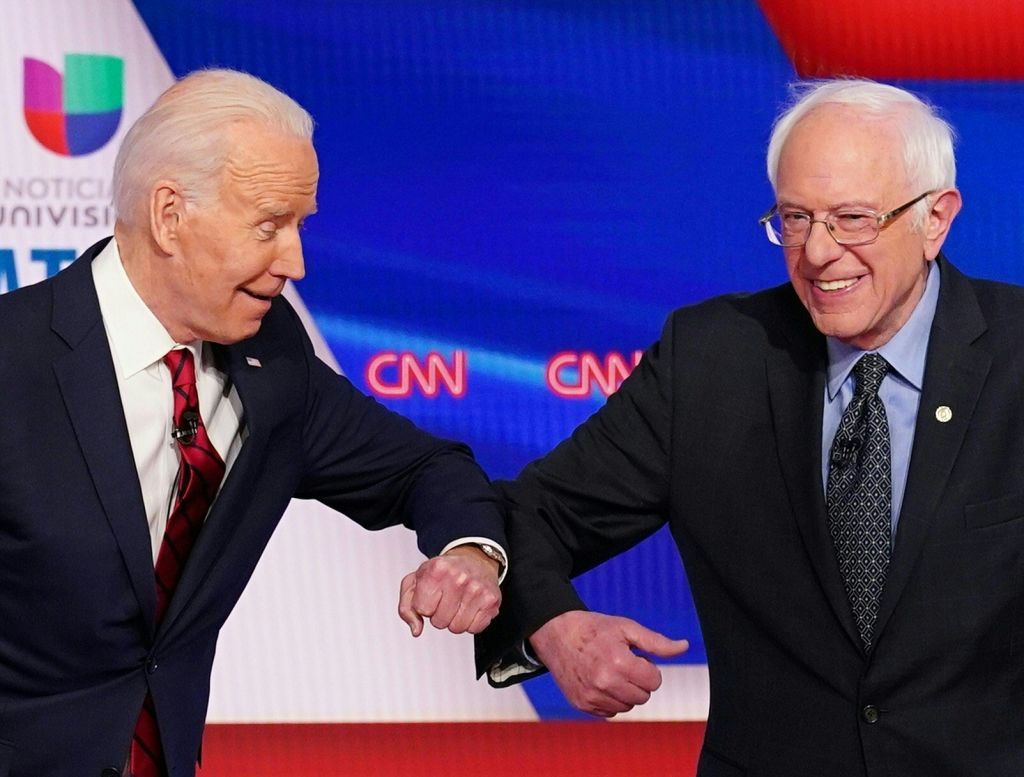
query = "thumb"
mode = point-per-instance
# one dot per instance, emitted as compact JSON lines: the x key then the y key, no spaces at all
{"x":653,"y":642}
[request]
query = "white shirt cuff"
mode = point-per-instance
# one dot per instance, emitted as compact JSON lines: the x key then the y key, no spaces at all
{"x":481,"y":541}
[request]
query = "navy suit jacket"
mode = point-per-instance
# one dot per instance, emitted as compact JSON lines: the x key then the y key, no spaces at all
{"x":78,"y":646}
{"x":718,"y":433}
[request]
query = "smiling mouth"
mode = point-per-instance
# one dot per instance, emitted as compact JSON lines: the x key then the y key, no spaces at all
{"x":839,"y":285}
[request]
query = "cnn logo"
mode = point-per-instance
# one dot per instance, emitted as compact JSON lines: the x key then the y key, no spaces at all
{"x":396,"y":374}
{"x":577,"y":375}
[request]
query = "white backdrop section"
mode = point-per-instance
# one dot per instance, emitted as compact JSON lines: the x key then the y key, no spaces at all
{"x":316,"y":636}
{"x":58,"y":190}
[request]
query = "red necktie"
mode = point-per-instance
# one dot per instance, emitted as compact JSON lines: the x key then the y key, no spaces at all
{"x":199,"y":474}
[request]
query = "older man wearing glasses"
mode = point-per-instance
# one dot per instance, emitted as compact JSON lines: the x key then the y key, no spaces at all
{"x":841,"y":461}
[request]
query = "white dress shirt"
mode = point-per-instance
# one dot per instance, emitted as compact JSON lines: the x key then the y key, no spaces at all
{"x":138,"y":342}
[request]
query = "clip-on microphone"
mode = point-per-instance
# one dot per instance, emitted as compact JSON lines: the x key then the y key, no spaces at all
{"x":186,"y":433}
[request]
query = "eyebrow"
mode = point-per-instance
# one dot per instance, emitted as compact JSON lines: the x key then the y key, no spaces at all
{"x":280,"y":213}
{"x":275,"y":213}
{"x":834,"y":206}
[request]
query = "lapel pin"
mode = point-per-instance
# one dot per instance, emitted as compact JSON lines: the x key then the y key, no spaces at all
{"x":943,"y":414}
{"x":252,"y":361}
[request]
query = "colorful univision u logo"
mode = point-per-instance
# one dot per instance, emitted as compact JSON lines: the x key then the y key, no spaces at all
{"x":78,"y":113}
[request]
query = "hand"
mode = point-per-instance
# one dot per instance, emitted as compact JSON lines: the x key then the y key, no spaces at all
{"x":591,"y":657}
{"x":457,"y":591}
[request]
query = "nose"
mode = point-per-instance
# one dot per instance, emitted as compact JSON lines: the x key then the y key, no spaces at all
{"x":290,"y":263}
{"x":821,"y":247}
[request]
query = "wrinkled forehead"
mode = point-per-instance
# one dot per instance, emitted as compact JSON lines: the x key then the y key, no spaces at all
{"x":843,"y":146}
{"x":262,"y":161}
{"x":835,"y":129}
{"x":251,"y":145}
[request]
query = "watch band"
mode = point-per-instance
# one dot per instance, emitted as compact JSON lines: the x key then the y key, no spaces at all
{"x":492,"y":552}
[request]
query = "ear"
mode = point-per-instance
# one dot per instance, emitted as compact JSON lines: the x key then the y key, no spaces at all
{"x":944,"y":208}
{"x":166,"y":214}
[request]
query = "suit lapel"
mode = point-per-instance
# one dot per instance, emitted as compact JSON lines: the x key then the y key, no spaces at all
{"x":955,"y":372}
{"x":796,"y":369}
{"x":88,"y":386}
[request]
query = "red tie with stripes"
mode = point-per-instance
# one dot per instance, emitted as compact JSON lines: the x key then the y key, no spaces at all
{"x":199,"y":474}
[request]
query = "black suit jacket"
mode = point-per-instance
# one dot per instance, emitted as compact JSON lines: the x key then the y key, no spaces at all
{"x":78,"y":646}
{"x":718,"y":432}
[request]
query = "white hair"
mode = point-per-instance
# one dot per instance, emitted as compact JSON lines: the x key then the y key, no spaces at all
{"x":927,"y":138}
{"x":183,"y":136}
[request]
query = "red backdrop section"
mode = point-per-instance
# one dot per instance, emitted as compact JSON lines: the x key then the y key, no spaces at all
{"x":921,"y":39}
{"x":568,"y":749}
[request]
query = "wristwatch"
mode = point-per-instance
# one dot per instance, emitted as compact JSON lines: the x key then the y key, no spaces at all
{"x":492,"y":552}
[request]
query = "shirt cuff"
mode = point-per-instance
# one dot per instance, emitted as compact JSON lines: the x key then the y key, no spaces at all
{"x":515,"y":666}
{"x":481,"y":541}
{"x":530,"y":656}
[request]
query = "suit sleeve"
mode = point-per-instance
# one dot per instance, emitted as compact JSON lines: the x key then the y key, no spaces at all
{"x":594,"y":496}
{"x":381,"y":470}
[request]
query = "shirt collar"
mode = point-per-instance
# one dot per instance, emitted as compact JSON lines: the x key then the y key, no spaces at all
{"x":905,"y":352}
{"x":137,"y":338}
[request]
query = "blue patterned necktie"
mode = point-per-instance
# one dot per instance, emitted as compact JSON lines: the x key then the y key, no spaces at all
{"x":859,"y":494}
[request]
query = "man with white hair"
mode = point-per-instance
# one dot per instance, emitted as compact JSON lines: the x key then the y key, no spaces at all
{"x":162,"y":406}
{"x":841,"y":462}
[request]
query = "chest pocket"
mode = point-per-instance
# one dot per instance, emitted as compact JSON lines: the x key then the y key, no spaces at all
{"x":994,"y":512}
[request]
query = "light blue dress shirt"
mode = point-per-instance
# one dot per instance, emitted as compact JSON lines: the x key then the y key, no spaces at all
{"x":900,"y":391}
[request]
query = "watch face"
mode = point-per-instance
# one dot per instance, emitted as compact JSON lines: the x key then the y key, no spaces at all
{"x":492,"y":552}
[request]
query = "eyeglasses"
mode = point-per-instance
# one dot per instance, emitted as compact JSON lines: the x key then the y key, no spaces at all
{"x":848,"y":226}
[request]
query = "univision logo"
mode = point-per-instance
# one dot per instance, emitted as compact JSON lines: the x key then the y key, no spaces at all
{"x":76,"y":113}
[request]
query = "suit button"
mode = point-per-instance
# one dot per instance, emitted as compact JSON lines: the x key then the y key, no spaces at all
{"x":870,"y":714}
{"x":110,"y":771}
{"x":152,"y":665}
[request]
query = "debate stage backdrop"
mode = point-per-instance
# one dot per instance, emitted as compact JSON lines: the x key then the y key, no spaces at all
{"x":514,"y":194}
